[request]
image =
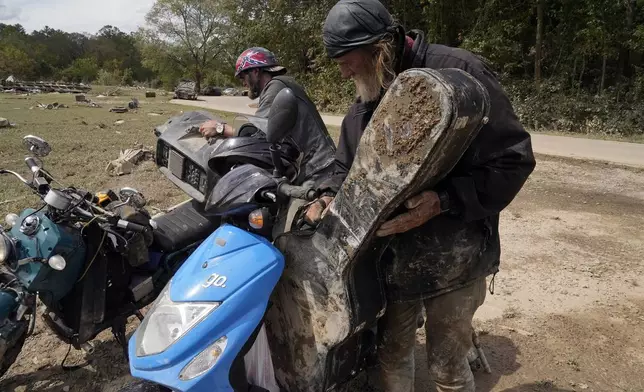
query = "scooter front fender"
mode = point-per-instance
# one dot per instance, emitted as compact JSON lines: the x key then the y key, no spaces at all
{"x":251,"y":266}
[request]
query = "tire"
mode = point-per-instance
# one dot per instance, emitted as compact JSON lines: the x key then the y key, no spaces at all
{"x":12,"y":352}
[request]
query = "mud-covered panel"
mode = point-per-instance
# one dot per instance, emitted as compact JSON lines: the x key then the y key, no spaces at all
{"x":420,"y":130}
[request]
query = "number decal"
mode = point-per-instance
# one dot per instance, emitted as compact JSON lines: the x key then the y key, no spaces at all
{"x":215,"y":280}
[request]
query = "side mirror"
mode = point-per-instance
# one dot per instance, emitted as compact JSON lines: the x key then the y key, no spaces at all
{"x":37,"y":146}
{"x":134,"y":197}
{"x":282,"y":117}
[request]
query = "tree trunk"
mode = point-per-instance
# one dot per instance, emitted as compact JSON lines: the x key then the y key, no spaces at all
{"x":198,"y":77}
{"x":581,"y":74}
{"x":624,"y":52}
{"x":601,"y":85}
{"x":539,"y":46}
{"x":574,"y":74}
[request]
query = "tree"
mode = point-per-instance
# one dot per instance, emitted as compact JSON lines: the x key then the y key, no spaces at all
{"x":14,"y":61}
{"x":83,"y":69}
{"x":192,"y":33}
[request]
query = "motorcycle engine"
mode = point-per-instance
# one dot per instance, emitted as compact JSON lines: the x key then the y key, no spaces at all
{"x":136,"y":252}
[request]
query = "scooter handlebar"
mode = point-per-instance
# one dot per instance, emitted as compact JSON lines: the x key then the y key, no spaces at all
{"x":298,"y":192}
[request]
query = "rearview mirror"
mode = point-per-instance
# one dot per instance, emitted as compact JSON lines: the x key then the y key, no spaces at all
{"x":37,"y":146}
{"x":282,"y":117}
{"x":133,"y":196}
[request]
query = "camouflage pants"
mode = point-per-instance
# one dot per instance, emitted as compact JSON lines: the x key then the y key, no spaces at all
{"x":449,"y":338}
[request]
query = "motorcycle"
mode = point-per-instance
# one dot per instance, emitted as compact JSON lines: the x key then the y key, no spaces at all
{"x":316,"y":295}
{"x":93,"y":260}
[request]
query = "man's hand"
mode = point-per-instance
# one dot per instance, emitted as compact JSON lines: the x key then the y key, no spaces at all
{"x":318,"y":209}
{"x":209,"y":129}
{"x":422,"y":208}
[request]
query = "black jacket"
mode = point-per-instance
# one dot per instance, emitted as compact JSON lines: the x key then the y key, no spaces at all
{"x":310,"y":133}
{"x":453,"y":249}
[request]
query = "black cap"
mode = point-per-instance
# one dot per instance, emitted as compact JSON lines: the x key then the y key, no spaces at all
{"x":354,"y":23}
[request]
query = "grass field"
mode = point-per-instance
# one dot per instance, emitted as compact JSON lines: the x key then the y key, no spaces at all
{"x":84,"y":140}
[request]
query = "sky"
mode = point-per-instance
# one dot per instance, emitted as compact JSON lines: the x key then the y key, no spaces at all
{"x":81,"y":16}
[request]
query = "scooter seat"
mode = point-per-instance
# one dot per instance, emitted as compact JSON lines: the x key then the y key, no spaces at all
{"x":181,"y":227}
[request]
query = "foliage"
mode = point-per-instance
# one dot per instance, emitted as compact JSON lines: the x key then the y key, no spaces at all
{"x":589,"y":54}
{"x":83,"y":69}
{"x":108,"y":78}
{"x":14,"y":61}
{"x":190,"y":33}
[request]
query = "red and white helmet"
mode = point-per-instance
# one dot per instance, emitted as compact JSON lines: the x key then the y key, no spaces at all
{"x":257,"y":58}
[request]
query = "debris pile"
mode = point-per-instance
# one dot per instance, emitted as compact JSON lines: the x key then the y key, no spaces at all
{"x":133,"y":104}
{"x":51,"y":106}
{"x":113,"y":93}
{"x":127,"y":160}
{"x":4,"y":123}
{"x":11,"y":84}
{"x":82,"y":99}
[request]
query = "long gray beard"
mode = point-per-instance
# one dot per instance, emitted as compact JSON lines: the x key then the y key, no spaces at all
{"x":367,"y":88}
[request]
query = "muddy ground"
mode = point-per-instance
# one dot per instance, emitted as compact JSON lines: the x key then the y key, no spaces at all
{"x":566,"y":315}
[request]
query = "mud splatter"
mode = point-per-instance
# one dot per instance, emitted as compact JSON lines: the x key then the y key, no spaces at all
{"x":419,"y":111}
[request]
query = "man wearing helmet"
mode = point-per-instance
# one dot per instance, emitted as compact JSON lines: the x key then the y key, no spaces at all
{"x":448,"y":242}
{"x":260,"y":72}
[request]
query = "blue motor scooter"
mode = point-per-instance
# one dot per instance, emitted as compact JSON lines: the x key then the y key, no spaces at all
{"x":195,"y":335}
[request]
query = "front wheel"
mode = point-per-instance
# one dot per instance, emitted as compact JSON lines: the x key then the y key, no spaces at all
{"x":13,"y":336}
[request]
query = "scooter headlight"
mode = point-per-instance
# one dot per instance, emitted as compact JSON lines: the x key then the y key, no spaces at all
{"x":205,"y":360}
{"x":168,"y":321}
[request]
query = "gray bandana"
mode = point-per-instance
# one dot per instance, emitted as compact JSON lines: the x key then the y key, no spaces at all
{"x":354,"y":23}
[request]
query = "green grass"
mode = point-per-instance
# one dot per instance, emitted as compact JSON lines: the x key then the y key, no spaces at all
{"x":83,"y":141}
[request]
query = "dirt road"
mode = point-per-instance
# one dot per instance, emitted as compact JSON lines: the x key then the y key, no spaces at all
{"x":567,"y":313}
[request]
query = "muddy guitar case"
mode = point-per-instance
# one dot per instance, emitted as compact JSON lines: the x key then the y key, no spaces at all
{"x":331,"y":292}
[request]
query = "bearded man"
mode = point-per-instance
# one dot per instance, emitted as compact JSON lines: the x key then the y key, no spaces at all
{"x":451,"y":230}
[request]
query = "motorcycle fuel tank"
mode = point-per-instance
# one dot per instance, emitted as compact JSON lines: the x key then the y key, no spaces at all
{"x":235,"y":271}
{"x":46,"y":239}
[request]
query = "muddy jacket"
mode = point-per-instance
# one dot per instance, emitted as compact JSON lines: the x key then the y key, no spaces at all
{"x":310,"y":134}
{"x":454,"y":248}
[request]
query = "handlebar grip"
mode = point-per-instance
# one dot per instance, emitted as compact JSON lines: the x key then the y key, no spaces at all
{"x":298,"y":192}
{"x":131,"y":226}
{"x":32,"y":165}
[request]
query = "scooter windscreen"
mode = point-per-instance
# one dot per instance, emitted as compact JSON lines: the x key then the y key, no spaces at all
{"x":239,"y":191}
{"x":253,"y":150}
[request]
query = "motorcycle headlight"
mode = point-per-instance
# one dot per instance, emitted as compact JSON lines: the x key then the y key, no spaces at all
{"x":5,"y":247}
{"x":168,"y":321}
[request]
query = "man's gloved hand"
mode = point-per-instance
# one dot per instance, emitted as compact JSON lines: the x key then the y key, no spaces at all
{"x":422,"y":208}
{"x":209,"y":129}
{"x":317,"y":209}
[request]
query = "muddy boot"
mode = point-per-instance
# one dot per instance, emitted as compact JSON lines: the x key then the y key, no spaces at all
{"x":474,"y":360}
{"x":476,"y":356}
